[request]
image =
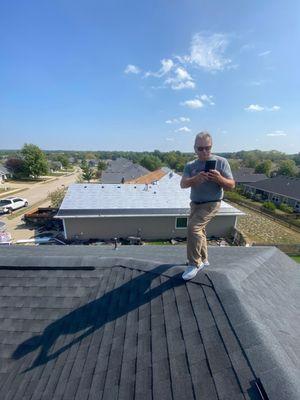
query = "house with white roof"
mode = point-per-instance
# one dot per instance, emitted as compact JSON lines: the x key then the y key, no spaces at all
{"x":4,"y":174}
{"x":152,"y":212}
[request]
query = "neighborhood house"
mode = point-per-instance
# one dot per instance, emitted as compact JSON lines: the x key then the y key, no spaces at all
{"x":152,"y":212}
{"x":279,"y":190}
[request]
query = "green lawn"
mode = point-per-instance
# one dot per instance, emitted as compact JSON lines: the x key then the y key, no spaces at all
{"x":296,"y":258}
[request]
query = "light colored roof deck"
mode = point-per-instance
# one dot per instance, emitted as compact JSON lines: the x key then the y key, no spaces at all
{"x":166,"y":198}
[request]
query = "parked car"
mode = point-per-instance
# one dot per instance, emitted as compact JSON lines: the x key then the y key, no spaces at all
{"x":10,"y":204}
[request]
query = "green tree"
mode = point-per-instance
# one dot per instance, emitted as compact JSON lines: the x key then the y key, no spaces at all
{"x":296,"y":158}
{"x":288,"y":168}
{"x":234,"y":164}
{"x":87,"y":172}
{"x":151,"y":162}
{"x":35,"y":160}
{"x":100,"y":168}
{"x":63,"y":158}
{"x":250,"y":160}
{"x":264,"y":167}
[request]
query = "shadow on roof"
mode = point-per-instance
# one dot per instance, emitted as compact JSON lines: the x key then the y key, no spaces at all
{"x":95,"y":314}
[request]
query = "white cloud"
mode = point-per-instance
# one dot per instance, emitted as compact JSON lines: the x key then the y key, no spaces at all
{"x":208,"y":99}
{"x":180,"y":85}
{"x":199,"y":101}
{"x":277,"y":133}
{"x":264,"y":53}
{"x":183,"y":129}
{"x":273,"y":108}
{"x":184,"y":119}
{"x":207,"y":52}
{"x":166,"y":66}
{"x":132,"y":69}
{"x":181,"y":80}
{"x":196,"y":103}
{"x":254,"y":108}
{"x":177,"y":120}
{"x":170,"y":139}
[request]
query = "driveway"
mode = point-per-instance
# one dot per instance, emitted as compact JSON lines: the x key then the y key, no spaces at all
{"x":35,"y":194}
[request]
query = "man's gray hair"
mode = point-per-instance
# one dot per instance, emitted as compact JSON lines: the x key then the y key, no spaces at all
{"x":203,"y":135}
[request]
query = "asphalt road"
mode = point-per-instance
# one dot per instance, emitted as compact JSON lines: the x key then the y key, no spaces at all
{"x":35,"y":193}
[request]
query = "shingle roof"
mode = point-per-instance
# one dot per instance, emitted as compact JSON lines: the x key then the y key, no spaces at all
{"x":4,"y":170}
{"x":94,"y":323}
{"x":166,"y":198}
{"x":247,"y":175}
{"x":282,"y":185}
{"x":120,"y":169}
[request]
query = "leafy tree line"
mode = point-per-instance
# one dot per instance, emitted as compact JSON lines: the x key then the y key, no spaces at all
{"x":32,"y":161}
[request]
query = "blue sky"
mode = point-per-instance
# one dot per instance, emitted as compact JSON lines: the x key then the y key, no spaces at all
{"x":137,"y":75}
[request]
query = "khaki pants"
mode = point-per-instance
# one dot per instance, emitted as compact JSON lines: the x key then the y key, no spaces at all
{"x":200,"y":216}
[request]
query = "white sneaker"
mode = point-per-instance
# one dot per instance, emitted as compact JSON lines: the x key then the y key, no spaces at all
{"x":206,"y":264}
{"x":191,"y":272}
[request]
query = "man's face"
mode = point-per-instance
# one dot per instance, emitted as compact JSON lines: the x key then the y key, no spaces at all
{"x":203,"y":148}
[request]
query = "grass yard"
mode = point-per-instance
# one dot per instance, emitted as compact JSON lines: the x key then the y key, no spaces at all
{"x":262,"y":230}
{"x":296,"y":258}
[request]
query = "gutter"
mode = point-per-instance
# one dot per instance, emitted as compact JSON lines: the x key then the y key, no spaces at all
{"x":230,"y":214}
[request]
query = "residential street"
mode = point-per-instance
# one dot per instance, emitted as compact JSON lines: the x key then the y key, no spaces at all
{"x":35,"y":194}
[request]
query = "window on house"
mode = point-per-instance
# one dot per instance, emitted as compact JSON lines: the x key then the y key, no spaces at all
{"x":181,"y":222}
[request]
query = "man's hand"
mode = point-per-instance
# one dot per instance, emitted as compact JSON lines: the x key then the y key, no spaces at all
{"x":201,"y":178}
{"x":195,"y":180}
{"x":215,"y":176}
{"x":225,"y":183}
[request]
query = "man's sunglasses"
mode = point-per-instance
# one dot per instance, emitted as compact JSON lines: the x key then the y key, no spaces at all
{"x":206,"y":148}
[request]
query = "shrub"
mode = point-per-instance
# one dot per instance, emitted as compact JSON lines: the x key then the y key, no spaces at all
{"x":57,"y":197}
{"x":269,"y":206}
{"x":233,"y":195}
{"x":285,"y":208}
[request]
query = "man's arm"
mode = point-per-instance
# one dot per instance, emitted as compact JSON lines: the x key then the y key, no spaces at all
{"x":225,"y":183}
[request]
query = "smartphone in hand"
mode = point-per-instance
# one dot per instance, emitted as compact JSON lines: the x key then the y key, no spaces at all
{"x":210,"y":164}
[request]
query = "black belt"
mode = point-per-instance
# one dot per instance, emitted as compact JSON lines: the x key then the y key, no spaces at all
{"x":204,"y":202}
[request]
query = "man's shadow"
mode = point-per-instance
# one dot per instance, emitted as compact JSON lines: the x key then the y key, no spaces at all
{"x":95,"y":314}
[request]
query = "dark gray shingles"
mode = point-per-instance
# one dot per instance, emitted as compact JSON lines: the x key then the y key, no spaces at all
{"x":205,"y":336}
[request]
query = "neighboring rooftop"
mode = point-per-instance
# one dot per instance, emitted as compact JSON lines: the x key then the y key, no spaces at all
{"x":135,"y":199}
{"x":149,"y":178}
{"x":120,"y":170}
{"x":282,"y":185}
{"x":4,"y":170}
{"x":247,"y":175}
{"x":80,"y":322}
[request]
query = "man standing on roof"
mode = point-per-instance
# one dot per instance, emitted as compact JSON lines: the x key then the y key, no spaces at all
{"x":206,"y":194}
